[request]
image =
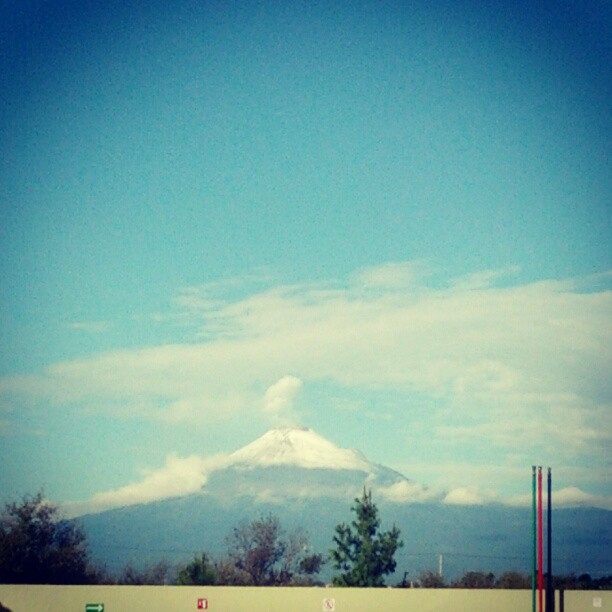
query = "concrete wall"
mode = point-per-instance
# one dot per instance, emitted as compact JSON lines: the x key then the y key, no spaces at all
{"x":20,"y":598}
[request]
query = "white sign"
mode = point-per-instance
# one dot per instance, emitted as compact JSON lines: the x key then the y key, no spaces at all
{"x":597,"y":602}
{"x":329,"y":605}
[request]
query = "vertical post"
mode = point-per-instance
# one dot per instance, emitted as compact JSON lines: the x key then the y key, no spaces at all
{"x":540,"y":545}
{"x":534,"y":537}
{"x":440,"y":566}
{"x":550,"y":594}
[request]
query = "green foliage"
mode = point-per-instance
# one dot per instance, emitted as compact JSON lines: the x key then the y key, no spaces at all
{"x":261,"y":554}
{"x":362,"y":554}
{"x":38,"y":547}
{"x":198,"y":572}
{"x":311,"y":565}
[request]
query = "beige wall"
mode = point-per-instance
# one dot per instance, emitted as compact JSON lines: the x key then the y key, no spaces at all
{"x":179,"y":599}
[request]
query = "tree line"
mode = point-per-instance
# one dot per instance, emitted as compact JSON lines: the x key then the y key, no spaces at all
{"x":37,"y":546}
{"x":507,"y":580}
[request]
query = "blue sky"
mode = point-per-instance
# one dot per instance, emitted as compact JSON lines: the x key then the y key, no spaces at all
{"x":393,"y":218}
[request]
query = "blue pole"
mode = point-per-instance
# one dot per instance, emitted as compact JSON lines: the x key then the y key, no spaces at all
{"x":550,"y":594}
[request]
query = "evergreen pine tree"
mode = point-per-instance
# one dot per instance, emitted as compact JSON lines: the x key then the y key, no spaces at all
{"x":199,"y":571}
{"x":362,"y":554}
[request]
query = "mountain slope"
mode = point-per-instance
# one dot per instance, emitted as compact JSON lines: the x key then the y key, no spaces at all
{"x":308,"y":482}
{"x":298,"y":447}
{"x":482,"y":538}
{"x":292,"y":462}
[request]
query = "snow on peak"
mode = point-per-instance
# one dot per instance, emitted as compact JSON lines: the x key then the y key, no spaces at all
{"x":300,"y":447}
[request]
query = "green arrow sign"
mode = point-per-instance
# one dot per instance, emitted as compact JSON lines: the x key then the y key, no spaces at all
{"x":97,"y":607}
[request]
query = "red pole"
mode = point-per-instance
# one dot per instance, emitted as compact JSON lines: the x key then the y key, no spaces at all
{"x":540,"y":545}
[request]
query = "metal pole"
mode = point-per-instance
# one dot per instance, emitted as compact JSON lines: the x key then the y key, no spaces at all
{"x":550,"y":594}
{"x":533,"y":539}
{"x":540,"y":545}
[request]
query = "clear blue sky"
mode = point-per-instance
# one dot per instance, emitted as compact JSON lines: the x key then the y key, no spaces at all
{"x":399,"y":210}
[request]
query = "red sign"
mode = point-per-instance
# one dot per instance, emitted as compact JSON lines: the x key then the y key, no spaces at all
{"x":202,"y":604}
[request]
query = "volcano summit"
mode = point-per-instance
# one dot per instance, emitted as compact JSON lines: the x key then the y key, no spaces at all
{"x":287,"y":463}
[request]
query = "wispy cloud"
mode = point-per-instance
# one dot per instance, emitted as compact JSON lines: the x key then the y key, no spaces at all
{"x":92,"y":327}
{"x":186,"y":475}
{"x":464,"y":496}
{"x":568,"y":497}
{"x":180,"y":476}
{"x":524,"y":367}
{"x":406,"y":492}
{"x":391,"y":275}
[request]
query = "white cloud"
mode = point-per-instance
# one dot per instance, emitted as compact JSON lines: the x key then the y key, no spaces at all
{"x":567,"y":497}
{"x":573,"y":496}
{"x":524,"y":367}
{"x":499,"y":481}
{"x":404,"y":492}
{"x":92,"y":327}
{"x":483,"y":280}
{"x":186,"y":475}
{"x":279,"y":399}
{"x":391,"y":275}
{"x":180,"y":476}
{"x":464,"y":496}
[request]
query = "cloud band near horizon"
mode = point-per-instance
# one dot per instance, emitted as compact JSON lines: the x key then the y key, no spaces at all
{"x":523,"y":366}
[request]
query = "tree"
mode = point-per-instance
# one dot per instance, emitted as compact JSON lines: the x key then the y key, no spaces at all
{"x":261,"y":554}
{"x":364,"y":555}
{"x":228,"y":574}
{"x":583,"y":582}
{"x":38,"y":547}
{"x":513,"y":580}
{"x":198,"y":572}
{"x":311,"y":565}
{"x":154,"y":574}
{"x":405,"y":582}
{"x":256,"y":549}
{"x":475,"y":580}
{"x":431,"y":580}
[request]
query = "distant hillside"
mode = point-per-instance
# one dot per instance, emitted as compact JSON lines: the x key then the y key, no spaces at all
{"x":492,"y":538}
{"x":309,"y":482}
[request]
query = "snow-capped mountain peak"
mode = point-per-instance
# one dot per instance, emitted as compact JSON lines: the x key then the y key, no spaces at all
{"x":301,"y":447}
